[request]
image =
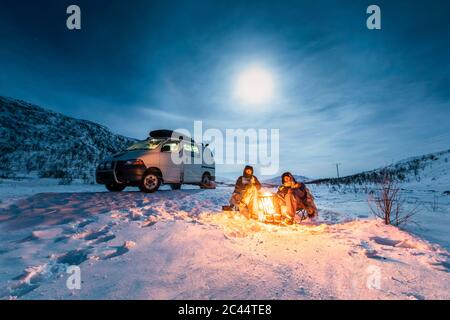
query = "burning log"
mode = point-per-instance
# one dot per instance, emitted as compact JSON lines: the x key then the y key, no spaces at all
{"x":270,"y":211}
{"x":265,"y":207}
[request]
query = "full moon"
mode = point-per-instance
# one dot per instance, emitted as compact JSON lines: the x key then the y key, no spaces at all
{"x":254,"y":86}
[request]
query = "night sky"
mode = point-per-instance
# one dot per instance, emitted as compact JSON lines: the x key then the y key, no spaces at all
{"x":342,"y":93}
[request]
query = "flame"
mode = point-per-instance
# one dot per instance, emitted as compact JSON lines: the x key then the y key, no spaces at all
{"x":266,"y":194}
{"x":266,"y":206}
{"x":266,"y":203}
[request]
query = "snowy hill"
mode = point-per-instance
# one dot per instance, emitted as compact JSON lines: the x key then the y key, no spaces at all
{"x":276,"y":181}
{"x":427,"y":171}
{"x":49,"y":144}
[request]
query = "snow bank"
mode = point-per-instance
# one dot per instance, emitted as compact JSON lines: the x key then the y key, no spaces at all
{"x":179,"y":245}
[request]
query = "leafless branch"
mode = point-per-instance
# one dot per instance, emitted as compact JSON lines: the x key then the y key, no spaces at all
{"x":387,"y":204}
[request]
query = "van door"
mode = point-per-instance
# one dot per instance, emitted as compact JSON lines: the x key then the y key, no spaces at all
{"x":171,"y":171}
{"x":192,"y":170}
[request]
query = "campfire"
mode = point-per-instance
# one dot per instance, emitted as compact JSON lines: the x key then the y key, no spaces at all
{"x":269,"y":211}
{"x":267,"y":208}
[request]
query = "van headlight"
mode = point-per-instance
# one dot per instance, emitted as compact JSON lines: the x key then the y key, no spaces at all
{"x":105,"y":166}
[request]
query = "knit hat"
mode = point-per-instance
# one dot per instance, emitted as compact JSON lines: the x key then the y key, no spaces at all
{"x":245,"y":169}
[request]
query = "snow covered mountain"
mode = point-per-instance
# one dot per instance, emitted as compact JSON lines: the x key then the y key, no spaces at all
{"x":429,"y":171}
{"x":34,"y":140}
{"x":276,"y":181}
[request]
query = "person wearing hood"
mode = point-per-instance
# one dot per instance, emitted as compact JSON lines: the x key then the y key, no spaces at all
{"x":295,"y":196}
{"x":245,"y":194}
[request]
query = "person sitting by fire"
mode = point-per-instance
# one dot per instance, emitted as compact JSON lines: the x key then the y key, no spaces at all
{"x":245,"y":194}
{"x":295,"y":196}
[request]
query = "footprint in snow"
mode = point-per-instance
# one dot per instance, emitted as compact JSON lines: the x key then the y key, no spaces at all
{"x":385,"y":241}
{"x":369,"y":251}
{"x":105,"y":239}
{"x":38,"y":235}
{"x":84,"y":223}
{"x":405,"y":244}
{"x":33,"y":276}
{"x":29,"y":238}
{"x":373,"y":254}
{"x":63,"y":238}
{"x":92,"y":235}
{"x":74,"y":257}
{"x":23,"y":287}
{"x":121,"y":250}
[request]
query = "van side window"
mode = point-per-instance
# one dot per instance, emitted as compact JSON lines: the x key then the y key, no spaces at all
{"x":192,"y":148}
{"x":171,"y":146}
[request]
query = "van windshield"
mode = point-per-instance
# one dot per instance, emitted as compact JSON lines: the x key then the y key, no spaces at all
{"x":149,"y":144}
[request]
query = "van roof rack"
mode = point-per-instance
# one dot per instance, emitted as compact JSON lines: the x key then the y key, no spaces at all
{"x":164,"y":133}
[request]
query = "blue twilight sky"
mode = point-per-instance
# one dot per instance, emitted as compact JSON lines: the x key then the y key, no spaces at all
{"x":342,"y":93}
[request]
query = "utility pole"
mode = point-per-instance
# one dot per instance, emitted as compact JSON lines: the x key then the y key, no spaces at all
{"x":337,"y":169}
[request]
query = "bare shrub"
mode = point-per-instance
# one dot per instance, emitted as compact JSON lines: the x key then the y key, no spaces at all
{"x":387,"y":203}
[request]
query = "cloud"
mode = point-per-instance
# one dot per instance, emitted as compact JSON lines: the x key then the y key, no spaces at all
{"x":342,"y":93}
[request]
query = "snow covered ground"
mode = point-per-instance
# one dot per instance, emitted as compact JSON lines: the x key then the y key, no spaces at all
{"x":180,"y":245}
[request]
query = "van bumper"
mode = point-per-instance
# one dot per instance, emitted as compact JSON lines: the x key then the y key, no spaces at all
{"x":129,"y":175}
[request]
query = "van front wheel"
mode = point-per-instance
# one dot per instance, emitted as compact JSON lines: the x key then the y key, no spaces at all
{"x":150,"y":182}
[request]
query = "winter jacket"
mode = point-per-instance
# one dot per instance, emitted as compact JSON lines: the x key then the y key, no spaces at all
{"x":298,"y":188}
{"x":245,"y":181}
{"x":300,"y":192}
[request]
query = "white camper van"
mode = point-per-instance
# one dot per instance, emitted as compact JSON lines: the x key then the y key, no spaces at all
{"x":148,"y":164}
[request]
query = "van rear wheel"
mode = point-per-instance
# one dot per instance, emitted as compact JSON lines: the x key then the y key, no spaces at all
{"x":114,"y":187}
{"x":150,"y":182}
{"x":207,"y":182}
